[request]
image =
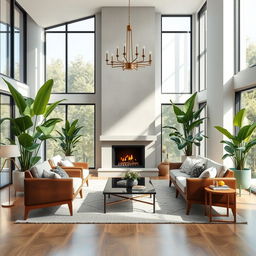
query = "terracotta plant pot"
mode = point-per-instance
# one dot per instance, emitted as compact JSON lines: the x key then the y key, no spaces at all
{"x":163,"y":169}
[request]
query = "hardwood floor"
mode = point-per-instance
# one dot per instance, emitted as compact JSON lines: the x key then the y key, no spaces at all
{"x":127,"y":239}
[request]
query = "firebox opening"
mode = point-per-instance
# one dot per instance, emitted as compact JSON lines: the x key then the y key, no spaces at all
{"x":132,"y":156}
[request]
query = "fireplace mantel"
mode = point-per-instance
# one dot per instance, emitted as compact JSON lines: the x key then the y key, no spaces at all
{"x":128,"y":138}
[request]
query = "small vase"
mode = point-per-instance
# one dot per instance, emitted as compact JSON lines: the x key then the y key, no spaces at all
{"x":130,"y":183}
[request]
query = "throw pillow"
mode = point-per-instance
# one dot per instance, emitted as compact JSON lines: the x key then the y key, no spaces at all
{"x":50,"y":175}
{"x":209,"y":173}
{"x":197,"y":170}
{"x":66,"y":163}
{"x":58,"y":170}
{"x":190,"y":163}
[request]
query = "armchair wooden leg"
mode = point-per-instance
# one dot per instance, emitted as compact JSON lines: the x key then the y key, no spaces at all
{"x":70,"y":206}
{"x":188,"y":207}
{"x":177,"y":193}
{"x":87,"y":182}
{"x":81,"y":193}
{"x":170,"y":183}
{"x":26,"y":212}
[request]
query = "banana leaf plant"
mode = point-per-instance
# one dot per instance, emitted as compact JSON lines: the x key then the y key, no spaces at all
{"x":69,"y":137}
{"x":238,"y":146}
{"x":32,"y":127}
{"x":190,"y":120}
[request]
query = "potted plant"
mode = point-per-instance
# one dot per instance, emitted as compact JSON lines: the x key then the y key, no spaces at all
{"x":190,"y":120}
{"x":31,"y":128}
{"x":237,"y":148}
{"x":69,"y":138}
{"x":131,"y":178}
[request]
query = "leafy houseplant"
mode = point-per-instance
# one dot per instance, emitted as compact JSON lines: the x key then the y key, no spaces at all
{"x":32,"y":127}
{"x":189,"y":120}
{"x":132,"y":178}
{"x":69,"y":137}
{"x":238,"y":146}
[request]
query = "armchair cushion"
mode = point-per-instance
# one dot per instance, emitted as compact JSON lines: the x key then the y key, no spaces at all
{"x":177,"y":173}
{"x":77,"y":182}
{"x":37,"y":170}
{"x":209,"y":173}
{"x":50,"y":175}
{"x":219,"y":168}
{"x":190,"y":163}
{"x":66,"y":163}
{"x":85,"y":173}
{"x":181,"y":182}
{"x":59,"y":171}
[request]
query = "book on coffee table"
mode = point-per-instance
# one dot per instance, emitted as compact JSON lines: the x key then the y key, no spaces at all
{"x":138,"y":187}
{"x":224,"y":187}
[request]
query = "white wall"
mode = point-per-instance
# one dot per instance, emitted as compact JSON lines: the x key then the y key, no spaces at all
{"x":128,"y":96}
{"x":35,"y":56}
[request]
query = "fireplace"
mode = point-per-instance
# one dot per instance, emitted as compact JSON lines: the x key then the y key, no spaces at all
{"x":128,"y":156}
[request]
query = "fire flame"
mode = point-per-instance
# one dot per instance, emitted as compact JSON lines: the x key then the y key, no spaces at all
{"x":127,"y":158}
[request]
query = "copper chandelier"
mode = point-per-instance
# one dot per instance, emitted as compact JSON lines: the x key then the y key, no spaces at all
{"x":129,"y":60}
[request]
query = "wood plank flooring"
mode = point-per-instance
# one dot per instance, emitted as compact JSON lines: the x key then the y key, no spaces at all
{"x":127,"y":239}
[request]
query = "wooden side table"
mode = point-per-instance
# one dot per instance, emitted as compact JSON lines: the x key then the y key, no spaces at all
{"x":208,"y":202}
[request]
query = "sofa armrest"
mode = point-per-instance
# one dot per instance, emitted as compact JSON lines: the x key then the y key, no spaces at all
{"x":175,"y":165}
{"x":81,"y":164}
{"x":75,"y":172}
{"x":195,"y":186}
{"x":228,"y":174}
{"x":41,"y":191}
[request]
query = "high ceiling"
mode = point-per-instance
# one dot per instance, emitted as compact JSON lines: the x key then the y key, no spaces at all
{"x":51,"y":12}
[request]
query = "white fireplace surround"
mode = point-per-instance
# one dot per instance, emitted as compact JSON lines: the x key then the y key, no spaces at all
{"x":106,"y":154}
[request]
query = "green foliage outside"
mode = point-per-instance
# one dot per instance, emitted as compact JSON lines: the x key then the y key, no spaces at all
{"x":248,"y":101}
{"x":251,"y":54}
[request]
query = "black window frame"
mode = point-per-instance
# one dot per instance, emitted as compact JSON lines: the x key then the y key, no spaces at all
{"x":66,"y":32}
{"x":202,"y":12}
{"x":66,"y":118}
{"x":205,"y":130}
{"x":14,"y":4}
{"x":191,"y":49}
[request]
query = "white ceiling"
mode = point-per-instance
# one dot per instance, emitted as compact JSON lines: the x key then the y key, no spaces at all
{"x":51,"y":12}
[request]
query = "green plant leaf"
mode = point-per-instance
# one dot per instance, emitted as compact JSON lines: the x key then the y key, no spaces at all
{"x":250,"y":145}
{"x":42,"y":98}
{"x":226,"y":155}
{"x":189,"y":104}
{"x":177,"y":110}
{"x":52,"y":121}
{"x":51,"y":107}
{"x":239,"y":117}
{"x":25,"y":140}
{"x":229,"y":149}
{"x":34,"y":160}
{"x":224,"y":131}
{"x":17,"y":97}
{"x":242,"y":134}
{"x":23,"y":123}
{"x":198,"y":112}
{"x":45,"y":130}
{"x":170,"y":127}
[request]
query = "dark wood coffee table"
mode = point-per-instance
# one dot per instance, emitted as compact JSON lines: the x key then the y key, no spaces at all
{"x":112,"y":188}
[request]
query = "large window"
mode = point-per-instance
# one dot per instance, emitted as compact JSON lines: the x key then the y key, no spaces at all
{"x":202,"y":37}
{"x":72,"y":64}
{"x":5,"y":132}
{"x":247,"y":33}
{"x":170,"y":150}
{"x":12,"y":40}
{"x":86,"y":116}
{"x":176,"y":54}
{"x":247,"y":99}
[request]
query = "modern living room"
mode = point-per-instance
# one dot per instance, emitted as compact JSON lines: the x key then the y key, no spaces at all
{"x":127,"y":127}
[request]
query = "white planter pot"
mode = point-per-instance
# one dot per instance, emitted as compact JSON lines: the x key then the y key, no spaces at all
{"x":183,"y":157}
{"x":71,"y":158}
{"x":18,"y":180}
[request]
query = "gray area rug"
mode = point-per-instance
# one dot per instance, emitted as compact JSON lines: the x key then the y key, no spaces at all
{"x":90,"y":209}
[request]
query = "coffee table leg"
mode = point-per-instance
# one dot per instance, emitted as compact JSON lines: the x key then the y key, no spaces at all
{"x":108,"y":195}
{"x":104,"y":203}
{"x":154,"y":203}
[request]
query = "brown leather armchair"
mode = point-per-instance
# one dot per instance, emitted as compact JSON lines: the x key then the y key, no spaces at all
{"x":43,"y":192}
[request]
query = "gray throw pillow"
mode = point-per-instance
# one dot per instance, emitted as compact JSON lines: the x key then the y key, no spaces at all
{"x":50,"y":175}
{"x":60,"y":172}
{"x":197,"y":170}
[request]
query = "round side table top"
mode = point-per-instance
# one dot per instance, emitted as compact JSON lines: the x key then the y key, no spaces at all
{"x":228,"y":191}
